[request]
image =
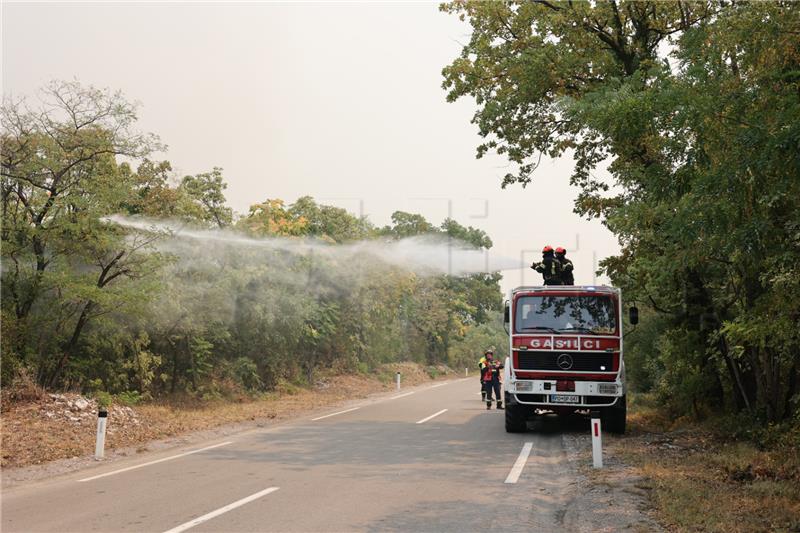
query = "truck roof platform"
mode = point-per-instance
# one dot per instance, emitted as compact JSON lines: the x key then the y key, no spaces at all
{"x":565,"y":288}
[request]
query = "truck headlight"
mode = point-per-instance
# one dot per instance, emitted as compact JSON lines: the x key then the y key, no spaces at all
{"x":607,"y":388}
{"x":524,"y":386}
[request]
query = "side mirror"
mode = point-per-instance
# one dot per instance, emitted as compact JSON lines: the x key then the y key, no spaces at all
{"x":506,"y":318}
{"x":633,"y":315}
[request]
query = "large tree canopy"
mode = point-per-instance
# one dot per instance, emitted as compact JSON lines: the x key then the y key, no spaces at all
{"x":696,"y":107}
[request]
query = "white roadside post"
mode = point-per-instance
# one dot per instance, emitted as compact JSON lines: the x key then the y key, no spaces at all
{"x":597,"y":440}
{"x":466,"y":372}
{"x":102,"y":419}
{"x":397,"y":380}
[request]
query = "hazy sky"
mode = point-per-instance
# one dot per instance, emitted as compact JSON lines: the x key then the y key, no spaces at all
{"x":340,"y":101}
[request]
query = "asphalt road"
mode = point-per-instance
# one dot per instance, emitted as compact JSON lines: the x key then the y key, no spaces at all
{"x":384,"y":464}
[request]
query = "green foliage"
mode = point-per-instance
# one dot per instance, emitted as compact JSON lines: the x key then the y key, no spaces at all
{"x":245,"y":372}
{"x":131,"y":397}
{"x":467,"y":352}
{"x":104,"y":399}
{"x":408,"y":225}
{"x":330,"y":223}
{"x":702,"y":145}
{"x":208,"y":198}
{"x":643,"y":369}
{"x":89,"y":304}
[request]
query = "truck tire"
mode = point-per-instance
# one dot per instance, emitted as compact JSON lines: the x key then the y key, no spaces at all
{"x":614,"y":417}
{"x":515,"y":418}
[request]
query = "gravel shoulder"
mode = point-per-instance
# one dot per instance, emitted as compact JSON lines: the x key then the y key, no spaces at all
{"x":613,"y":498}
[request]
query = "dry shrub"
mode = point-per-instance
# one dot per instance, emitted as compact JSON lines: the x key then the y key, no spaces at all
{"x":23,"y":389}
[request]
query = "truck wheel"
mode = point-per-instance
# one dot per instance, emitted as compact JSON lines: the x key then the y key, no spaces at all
{"x":614,"y":417}
{"x":515,"y":419}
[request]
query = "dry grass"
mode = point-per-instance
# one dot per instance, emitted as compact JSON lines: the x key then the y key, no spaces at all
{"x":32,"y":436}
{"x":700,"y":482}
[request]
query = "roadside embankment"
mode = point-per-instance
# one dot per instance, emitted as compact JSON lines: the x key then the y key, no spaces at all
{"x":40,"y":427}
{"x":699,"y":480}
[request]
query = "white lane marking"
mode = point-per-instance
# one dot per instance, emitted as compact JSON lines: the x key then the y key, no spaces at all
{"x":516,"y":470}
{"x":221,"y":510}
{"x":334,"y":414}
{"x":434,"y":415}
{"x":401,"y":395}
{"x":170,"y":458}
{"x":439,"y":385}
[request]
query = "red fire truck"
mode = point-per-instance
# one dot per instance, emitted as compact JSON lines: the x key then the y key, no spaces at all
{"x":566,"y":354}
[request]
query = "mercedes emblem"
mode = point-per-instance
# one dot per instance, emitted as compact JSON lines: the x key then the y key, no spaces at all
{"x":564,"y":361}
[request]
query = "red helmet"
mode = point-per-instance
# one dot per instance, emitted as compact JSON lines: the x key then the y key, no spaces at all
{"x":560,"y":250}
{"x":547,"y":248}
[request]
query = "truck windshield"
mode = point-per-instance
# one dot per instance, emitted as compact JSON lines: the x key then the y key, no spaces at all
{"x":594,"y":314}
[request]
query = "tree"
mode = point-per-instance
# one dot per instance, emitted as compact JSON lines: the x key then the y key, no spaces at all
{"x":526,"y":62}
{"x":408,"y":225}
{"x":331,"y":223}
{"x":271,"y":218}
{"x":206,"y":193}
{"x":92,"y":301}
{"x":696,"y":106}
{"x":59,"y":176}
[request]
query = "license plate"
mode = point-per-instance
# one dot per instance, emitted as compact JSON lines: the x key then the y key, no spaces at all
{"x":564,"y":398}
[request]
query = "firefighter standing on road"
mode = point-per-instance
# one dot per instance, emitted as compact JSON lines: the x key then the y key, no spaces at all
{"x":549,"y":267}
{"x":566,"y":267}
{"x":481,"y":366}
{"x":491,"y":380}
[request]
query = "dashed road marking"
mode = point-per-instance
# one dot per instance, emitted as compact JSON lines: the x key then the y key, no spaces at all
{"x":222,"y":510}
{"x":516,"y":470}
{"x":434,"y":415}
{"x":402,"y":395}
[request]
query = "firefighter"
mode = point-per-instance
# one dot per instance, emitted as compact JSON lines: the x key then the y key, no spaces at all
{"x":566,"y":267}
{"x":481,"y":366}
{"x":491,"y":381}
{"x":549,"y":267}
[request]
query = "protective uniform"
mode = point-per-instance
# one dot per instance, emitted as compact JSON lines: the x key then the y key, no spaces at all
{"x":549,"y":267}
{"x":567,"y":267}
{"x":481,"y":366}
{"x":491,"y":382}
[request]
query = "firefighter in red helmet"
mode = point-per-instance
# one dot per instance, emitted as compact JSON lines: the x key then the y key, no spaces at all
{"x":567,"y":267}
{"x":491,"y":380}
{"x":549,"y":267}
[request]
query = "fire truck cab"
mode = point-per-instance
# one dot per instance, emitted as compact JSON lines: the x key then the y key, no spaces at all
{"x":566,"y":354}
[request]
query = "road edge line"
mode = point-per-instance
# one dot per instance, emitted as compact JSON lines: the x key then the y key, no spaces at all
{"x":134,"y":467}
{"x":334,"y":414}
